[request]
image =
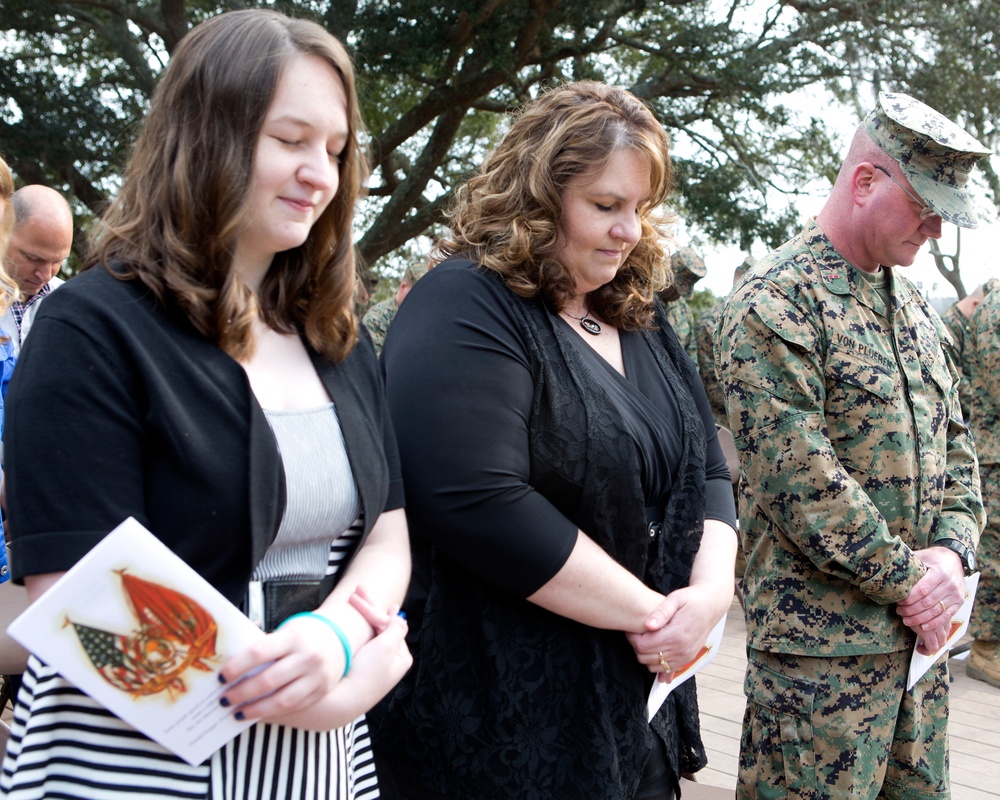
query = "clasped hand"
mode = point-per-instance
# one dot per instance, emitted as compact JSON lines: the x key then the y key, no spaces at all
{"x":295,"y":675}
{"x":932,"y":604}
{"x":677,"y":629}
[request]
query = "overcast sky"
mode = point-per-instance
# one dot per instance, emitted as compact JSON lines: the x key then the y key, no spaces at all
{"x":979,"y":259}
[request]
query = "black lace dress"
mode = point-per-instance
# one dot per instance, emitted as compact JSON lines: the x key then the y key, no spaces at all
{"x":513,"y":434}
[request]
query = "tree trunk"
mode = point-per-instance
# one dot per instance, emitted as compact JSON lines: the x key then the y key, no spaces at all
{"x":951,"y":274}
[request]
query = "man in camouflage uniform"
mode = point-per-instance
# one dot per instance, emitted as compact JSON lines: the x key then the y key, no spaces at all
{"x":705,"y":345}
{"x":957,"y":317}
{"x":984,"y":341}
{"x":688,"y":268}
{"x":860,"y":485}
{"x":378,"y":318}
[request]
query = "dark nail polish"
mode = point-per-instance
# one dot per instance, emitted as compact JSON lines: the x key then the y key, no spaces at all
{"x":222,"y":678}
{"x":239,"y":715}
{"x":224,"y":702}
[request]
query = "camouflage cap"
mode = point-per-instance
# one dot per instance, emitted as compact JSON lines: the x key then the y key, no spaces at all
{"x":687,"y":260}
{"x":743,"y":267}
{"x":415,"y":271}
{"x":935,"y":154}
{"x":990,"y":285}
{"x":688,"y":268}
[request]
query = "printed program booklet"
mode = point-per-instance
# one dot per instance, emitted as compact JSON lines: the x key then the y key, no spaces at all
{"x":919,"y":663}
{"x":706,"y":655}
{"x":144,"y":635}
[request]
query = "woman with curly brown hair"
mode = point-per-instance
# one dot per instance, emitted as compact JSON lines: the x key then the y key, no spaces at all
{"x":571,"y":510}
{"x":206,"y":375}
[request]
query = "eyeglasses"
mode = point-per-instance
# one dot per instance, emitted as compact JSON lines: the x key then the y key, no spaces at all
{"x":926,"y":212}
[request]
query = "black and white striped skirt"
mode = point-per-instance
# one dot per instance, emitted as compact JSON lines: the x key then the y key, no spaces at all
{"x":64,"y":745}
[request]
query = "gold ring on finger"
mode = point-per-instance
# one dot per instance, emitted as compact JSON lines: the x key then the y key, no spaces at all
{"x":664,"y":664}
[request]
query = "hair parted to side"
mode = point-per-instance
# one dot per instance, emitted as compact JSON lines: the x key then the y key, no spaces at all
{"x":186,"y":191}
{"x":507,"y":216}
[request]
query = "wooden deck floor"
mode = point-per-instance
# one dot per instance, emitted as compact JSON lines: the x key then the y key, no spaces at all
{"x":974,"y":726}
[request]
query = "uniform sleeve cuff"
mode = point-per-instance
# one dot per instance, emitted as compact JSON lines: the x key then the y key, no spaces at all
{"x":894,"y":582}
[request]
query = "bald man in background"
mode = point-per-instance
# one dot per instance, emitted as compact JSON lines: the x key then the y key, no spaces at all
{"x":40,"y":243}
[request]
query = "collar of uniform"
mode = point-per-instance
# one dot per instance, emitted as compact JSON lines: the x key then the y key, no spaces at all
{"x":833,"y":269}
{"x":900,"y":288}
{"x":839,"y":276}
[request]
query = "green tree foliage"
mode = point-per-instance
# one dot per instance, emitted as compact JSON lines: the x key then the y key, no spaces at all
{"x":437,"y":80}
{"x":701,"y":301}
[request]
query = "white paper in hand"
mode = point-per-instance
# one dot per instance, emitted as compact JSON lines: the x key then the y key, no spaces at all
{"x":143,"y":634}
{"x":919,"y":663}
{"x":706,"y":655}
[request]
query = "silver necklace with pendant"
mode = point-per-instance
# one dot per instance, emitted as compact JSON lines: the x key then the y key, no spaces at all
{"x":591,"y":326}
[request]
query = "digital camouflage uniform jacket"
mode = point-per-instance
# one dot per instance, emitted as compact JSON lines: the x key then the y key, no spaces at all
{"x":958,"y":327}
{"x":984,"y":342}
{"x":681,"y":319}
{"x":704,"y":339}
{"x":852,"y":449}
{"x":377,"y":320}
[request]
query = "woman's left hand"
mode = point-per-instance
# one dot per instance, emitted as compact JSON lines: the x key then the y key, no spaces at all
{"x":295,"y":675}
{"x":677,"y":630}
{"x":376,"y":668}
{"x":287,"y":671}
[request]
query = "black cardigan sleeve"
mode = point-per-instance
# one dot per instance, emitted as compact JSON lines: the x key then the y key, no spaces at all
{"x":119,"y":408}
{"x":74,"y":447}
{"x":115,"y":410}
{"x":460,"y":389}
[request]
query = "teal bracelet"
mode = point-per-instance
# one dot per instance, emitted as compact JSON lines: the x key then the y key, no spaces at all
{"x":335,"y":628}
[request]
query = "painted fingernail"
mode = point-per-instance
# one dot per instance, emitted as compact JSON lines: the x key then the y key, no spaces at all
{"x":224,"y":702}
{"x":222,"y":678}
{"x":239,"y":715}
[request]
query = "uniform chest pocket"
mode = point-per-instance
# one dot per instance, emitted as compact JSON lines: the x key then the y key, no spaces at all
{"x":860,"y":407}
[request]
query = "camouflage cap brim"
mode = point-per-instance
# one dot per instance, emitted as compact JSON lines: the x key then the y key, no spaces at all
{"x":687,"y":260}
{"x":952,"y":202}
{"x":935,"y":154}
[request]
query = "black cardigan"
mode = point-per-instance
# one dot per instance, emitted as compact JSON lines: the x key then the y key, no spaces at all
{"x":120,"y":407}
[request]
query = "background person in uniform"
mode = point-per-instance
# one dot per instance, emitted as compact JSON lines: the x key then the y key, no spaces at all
{"x":984,"y":415}
{"x":688,"y":268}
{"x":563,"y":477}
{"x":705,"y":346}
{"x":206,"y":374}
{"x":378,"y":318}
{"x":40,"y":243}
{"x":860,"y":491}
{"x":957,"y":317}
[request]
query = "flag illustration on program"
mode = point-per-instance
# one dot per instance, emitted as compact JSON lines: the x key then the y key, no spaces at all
{"x":173,"y":634}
